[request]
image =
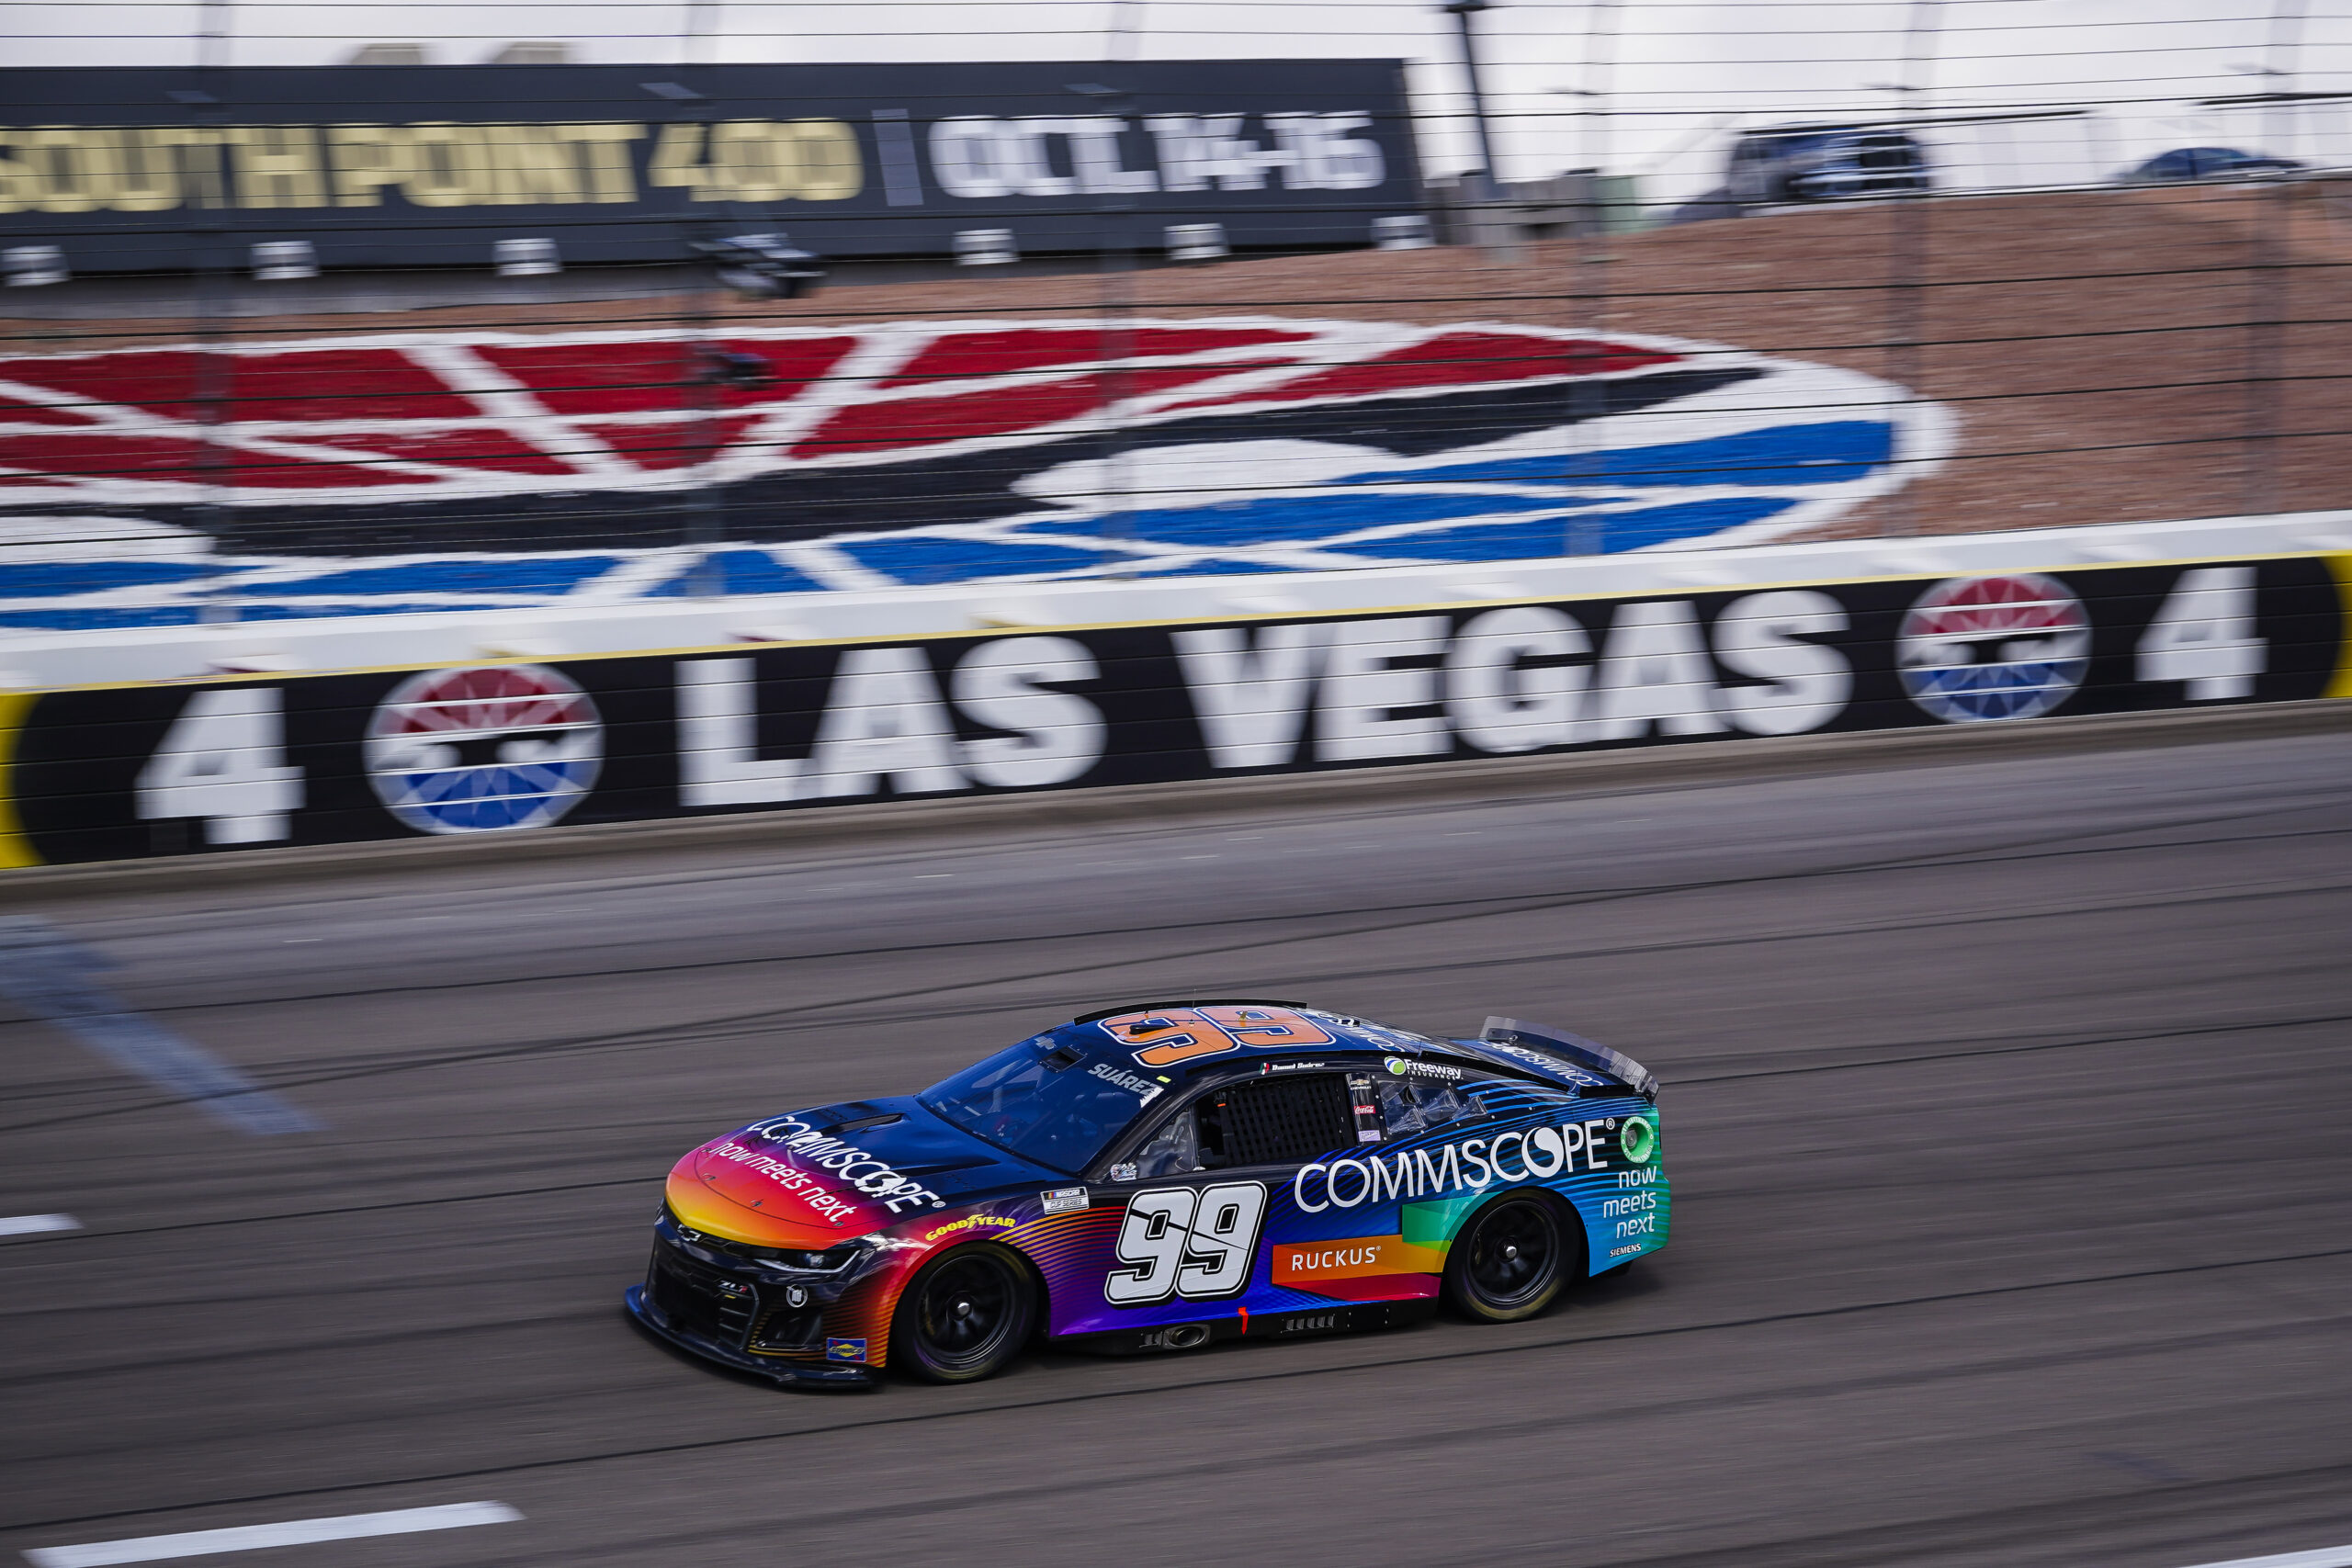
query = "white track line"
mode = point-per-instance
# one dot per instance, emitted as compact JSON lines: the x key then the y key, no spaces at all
{"x":51,"y":976}
{"x":34,"y":1225}
{"x":252,"y":1538}
{"x":2326,"y":1557}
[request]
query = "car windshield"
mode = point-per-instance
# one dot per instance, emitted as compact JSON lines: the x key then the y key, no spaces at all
{"x":1044,"y":1102}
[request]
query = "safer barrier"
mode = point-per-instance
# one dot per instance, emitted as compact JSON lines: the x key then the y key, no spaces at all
{"x":219,"y":766}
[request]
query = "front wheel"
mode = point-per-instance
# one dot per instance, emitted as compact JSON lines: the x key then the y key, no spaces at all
{"x":1510,"y":1262}
{"x":964,"y":1316}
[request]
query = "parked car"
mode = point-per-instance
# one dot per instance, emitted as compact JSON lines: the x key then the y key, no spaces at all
{"x":1819,"y":163}
{"x":2207,"y":163}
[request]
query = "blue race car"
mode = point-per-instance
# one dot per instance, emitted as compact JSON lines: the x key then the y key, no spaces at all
{"x":1157,"y":1178}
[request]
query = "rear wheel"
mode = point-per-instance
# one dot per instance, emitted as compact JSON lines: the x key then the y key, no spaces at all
{"x":1510,"y":1262}
{"x":964,"y":1316}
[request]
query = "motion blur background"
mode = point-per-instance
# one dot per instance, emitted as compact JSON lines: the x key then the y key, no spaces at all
{"x":2028,"y":265}
{"x":2002,"y":1078}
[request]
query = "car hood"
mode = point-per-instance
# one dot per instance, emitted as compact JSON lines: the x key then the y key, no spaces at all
{"x":804,"y":1179}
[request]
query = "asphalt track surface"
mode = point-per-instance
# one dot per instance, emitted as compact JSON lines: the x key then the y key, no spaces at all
{"x":2005,"y":1102}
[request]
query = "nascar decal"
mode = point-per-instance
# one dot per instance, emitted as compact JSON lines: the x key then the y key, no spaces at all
{"x":112,"y":773}
{"x":382,"y":473}
{"x":478,"y":751}
{"x":1987,"y":647}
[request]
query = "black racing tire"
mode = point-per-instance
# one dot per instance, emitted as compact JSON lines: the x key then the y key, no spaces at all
{"x":1512,"y":1260}
{"x":965,"y":1316}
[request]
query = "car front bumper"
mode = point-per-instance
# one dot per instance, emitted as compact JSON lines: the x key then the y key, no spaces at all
{"x":792,"y":1373}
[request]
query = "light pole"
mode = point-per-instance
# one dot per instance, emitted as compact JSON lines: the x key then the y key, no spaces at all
{"x":2267,"y":295}
{"x":1588,"y":289}
{"x":1114,"y":331}
{"x":1589,"y":286}
{"x":1490,"y":177}
{"x":1907,"y":263}
{"x":214,"y":271}
{"x":705,"y":502}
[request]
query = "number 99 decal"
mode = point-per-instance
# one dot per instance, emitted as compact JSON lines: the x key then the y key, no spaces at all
{"x":1267,"y":1026}
{"x":1197,"y":1244}
{"x":1179,"y":1035}
{"x":1168,"y":1036}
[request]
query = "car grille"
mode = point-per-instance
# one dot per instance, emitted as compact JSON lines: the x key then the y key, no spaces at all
{"x":789,"y":1329}
{"x":701,"y":1302}
{"x":731,"y":1249}
{"x":828,"y":1261}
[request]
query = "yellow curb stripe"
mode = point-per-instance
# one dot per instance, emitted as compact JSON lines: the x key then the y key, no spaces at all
{"x":2341,"y":565}
{"x":15,"y":849}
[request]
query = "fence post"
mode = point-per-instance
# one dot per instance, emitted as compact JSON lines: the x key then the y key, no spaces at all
{"x":213,"y":391}
{"x":1907,"y":259}
{"x":1589,"y":238}
{"x":2269,"y":285}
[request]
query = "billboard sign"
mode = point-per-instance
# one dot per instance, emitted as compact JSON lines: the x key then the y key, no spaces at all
{"x":108,"y":772}
{"x":413,"y":166}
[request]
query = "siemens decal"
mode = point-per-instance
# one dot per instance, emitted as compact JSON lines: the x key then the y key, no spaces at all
{"x":1533,"y":1155}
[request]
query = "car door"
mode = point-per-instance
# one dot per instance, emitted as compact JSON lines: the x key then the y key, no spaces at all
{"x":1205,"y":1181}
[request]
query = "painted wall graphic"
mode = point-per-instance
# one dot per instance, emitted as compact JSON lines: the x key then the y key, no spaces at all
{"x":104,"y":772}
{"x":386,"y":473}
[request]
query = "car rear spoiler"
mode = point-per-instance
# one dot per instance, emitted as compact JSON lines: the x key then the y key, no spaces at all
{"x":1575,"y":1048}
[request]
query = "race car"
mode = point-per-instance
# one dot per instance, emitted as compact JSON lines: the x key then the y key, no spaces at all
{"x":1160,"y":1177}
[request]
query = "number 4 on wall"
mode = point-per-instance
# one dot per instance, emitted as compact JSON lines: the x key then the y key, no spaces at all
{"x":224,"y":760}
{"x":2204,"y":636}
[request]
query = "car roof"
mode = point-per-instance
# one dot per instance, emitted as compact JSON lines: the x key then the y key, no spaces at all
{"x":1347,"y":1032}
{"x":1524,"y":1051}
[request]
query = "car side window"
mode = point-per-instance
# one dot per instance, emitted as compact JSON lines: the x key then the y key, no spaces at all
{"x":1286,"y":1118}
{"x":1174,"y":1150}
{"x":1415,"y":1105}
{"x":1276,"y":1120}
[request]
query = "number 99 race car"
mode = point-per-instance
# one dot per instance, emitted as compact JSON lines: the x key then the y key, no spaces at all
{"x":1156,"y":1178}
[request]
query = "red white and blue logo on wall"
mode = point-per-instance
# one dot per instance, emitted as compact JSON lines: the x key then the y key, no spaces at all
{"x":485,"y":749}
{"x":1993,"y":647}
{"x":500,"y":471}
